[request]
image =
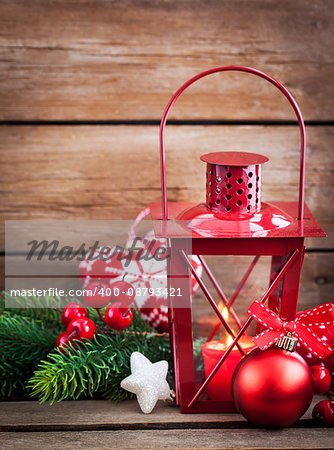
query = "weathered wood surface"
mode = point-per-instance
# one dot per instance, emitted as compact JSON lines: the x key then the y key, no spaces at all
{"x":172,"y":439}
{"x":108,"y":172}
{"x":102,"y":424}
{"x":94,"y":414}
{"x":15,"y":416}
{"x":122,"y":60}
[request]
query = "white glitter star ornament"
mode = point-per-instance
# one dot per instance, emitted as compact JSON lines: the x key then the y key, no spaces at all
{"x":147,"y":381}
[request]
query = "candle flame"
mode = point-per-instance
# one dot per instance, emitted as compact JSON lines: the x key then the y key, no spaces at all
{"x":223,"y":310}
{"x":229,"y":340}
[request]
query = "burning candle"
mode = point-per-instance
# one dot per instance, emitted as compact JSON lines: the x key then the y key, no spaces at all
{"x":219,"y":388}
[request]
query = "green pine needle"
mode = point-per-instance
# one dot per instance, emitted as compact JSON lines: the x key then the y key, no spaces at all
{"x":93,"y":367}
{"x":29,"y":361}
{"x":23,"y":342}
{"x":42,"y":309}
{"x":45,"y":310}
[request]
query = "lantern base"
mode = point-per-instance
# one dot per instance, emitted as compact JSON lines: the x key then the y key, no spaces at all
{"x":276,"y":219}
{"x":205,"y":221}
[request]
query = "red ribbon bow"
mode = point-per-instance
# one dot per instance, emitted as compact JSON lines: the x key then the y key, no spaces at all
{"x":300,"y":328}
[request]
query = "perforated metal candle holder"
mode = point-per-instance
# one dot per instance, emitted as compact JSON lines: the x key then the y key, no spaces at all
{"x":232,"y":221}
{"x":233,"y":182}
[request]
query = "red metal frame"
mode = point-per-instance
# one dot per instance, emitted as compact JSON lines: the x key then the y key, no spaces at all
{"x":217,"y":234}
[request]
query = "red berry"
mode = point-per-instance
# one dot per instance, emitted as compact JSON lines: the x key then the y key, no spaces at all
{"x":97,"y":294}
{"x":323,"y":413}
{"x":321,"y":379}
{"x":122,"y":292}
{"x":73,"y":310}
{"x":62,"y":341}
{"x":82,"y":328}
{"x":118,"y":317}
{"x":329,"y":364}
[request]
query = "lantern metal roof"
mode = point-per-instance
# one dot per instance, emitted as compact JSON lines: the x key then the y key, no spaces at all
{"x":234,"y":158}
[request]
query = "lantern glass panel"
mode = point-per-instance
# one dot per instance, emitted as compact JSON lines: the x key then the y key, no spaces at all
{"x":210,"y":337}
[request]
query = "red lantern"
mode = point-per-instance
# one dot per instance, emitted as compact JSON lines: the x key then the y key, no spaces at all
{"x":233,"y":221}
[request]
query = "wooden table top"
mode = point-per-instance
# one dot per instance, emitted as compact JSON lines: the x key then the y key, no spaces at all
{"x":103,"y":424}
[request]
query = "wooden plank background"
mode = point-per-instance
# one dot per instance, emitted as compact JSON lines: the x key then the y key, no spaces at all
{"x":122,"y":60}
{"x":84,"y":83}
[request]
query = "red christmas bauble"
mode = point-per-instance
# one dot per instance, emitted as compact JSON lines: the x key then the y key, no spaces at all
{"x":155,"y":312}
{"x":103,"y":263}
{"x":272,"y":388}
{"x":149,"y":280}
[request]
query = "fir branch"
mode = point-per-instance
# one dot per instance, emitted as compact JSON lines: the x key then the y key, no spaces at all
{"x":197,"y":349}
{"x":41,"y":309}
{"x":93,"y":367}
{"x":45,"y":310}
{"x":27,"y":335}
{"x":23,"y":343}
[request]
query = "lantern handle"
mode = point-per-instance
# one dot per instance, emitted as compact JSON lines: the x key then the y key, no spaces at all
{"x":240,"y":69}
